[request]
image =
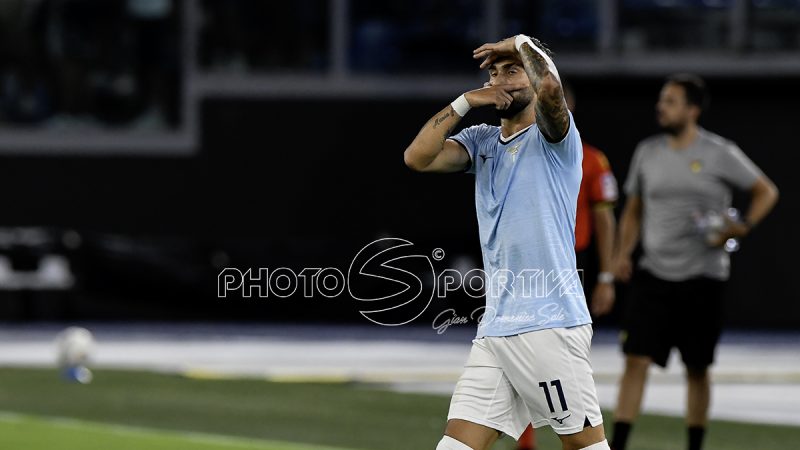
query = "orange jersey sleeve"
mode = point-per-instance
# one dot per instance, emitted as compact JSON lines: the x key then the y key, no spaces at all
{"x":598,"y":185}
{"x":602,"y":185}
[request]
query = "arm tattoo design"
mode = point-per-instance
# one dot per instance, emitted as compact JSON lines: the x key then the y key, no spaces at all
{"x":552,"y":116}
{"x":438,"y":121}
{"x":446,"y":134}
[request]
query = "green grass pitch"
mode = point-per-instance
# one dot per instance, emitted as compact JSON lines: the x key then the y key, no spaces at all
{"x":150,"y":411}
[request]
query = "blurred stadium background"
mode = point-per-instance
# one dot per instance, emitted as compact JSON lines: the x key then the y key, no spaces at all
{"x":145,"y":145}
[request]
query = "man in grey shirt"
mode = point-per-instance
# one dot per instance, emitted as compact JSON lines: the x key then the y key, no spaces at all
{"x":676,"y":178}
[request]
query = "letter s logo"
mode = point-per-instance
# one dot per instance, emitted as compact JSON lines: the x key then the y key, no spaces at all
{"x":385,"y":275}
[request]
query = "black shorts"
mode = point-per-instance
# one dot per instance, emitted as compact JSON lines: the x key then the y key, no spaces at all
{"x":664,"y":314}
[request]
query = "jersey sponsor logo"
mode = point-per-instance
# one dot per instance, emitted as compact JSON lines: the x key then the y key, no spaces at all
{"x":484,"y":157}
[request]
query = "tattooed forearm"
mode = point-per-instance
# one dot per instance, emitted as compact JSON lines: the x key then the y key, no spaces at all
{"x":535,"y":66}
{"x":552,"y":116}
{"x":439,"y":120}
{"x":429,"y":152}
{"x":446,"y":134}
{"x":442,"y":119}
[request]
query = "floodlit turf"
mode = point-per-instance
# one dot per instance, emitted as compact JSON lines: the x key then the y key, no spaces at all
{"x":24,"y":432}
{"x":269,"y":414}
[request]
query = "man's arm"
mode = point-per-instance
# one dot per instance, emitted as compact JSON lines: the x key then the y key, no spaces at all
{"x":604,"y":293}
{"x":552,"y":116}
{"x":604,"y":228}
{"x":764,"y":196}
{"x":431,"y":151}
{"x":627,"y":237}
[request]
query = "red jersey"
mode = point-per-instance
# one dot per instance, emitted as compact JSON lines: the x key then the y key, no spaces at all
{"x":598,"y":186}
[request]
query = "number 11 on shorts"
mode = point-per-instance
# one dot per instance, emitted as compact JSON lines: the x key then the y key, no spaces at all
{"x":559,"y":390}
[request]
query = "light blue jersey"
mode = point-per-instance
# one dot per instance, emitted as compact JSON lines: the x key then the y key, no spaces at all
{"x":526,"y":193}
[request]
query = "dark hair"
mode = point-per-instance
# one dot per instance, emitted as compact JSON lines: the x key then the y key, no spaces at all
{"x":543,"y":47}
{"x":694,"y":87}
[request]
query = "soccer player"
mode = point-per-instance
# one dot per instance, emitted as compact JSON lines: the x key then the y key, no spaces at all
{"x":594,"y":219}
{"x":677,"y":292}
{"x":530,"y":360}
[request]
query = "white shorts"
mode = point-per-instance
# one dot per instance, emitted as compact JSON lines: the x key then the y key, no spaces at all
{"x":541,"y":377}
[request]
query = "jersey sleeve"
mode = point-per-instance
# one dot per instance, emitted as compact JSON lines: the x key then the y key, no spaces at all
{"x":602,"y":184}
{"x":737,"y":169}
{"x":568,"y":150}
{"x":470,"y":139}
{"x":633,"y":183}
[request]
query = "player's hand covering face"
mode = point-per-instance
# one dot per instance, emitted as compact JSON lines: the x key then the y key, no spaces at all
{"x":501,"y":96}
{"x":494,"y":51}
{"x":509,"y":71}
{"x":502,"y":60}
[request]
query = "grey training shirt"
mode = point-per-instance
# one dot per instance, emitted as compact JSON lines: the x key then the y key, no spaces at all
{"x":677,"y":184}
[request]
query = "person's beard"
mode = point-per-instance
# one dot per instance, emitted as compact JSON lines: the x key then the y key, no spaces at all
{"x":516,"y":107}
{"x":674,"y":129}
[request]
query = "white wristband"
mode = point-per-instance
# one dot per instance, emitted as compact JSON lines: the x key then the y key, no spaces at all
{"x":521,"y":39}
{"x":461,"y":106}
{"x":605,"y":277}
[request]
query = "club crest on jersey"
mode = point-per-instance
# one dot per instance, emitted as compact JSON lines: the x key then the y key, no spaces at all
{"x":696,"y":166}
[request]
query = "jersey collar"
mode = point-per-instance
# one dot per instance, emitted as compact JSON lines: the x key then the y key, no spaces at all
{"x":513,"y":136}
